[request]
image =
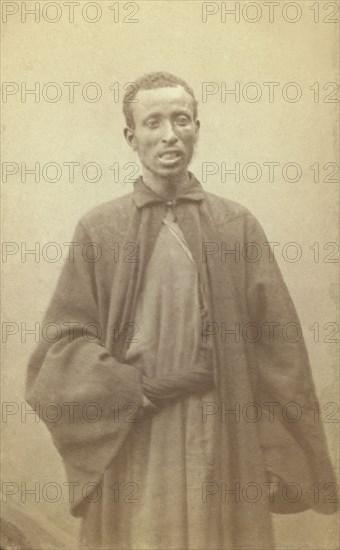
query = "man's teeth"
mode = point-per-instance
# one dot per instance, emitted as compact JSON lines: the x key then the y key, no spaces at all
{"x":169,"y":156}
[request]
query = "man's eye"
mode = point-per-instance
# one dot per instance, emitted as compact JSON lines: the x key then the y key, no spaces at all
{"x":182,"y":120}
{"x":153,"y":123}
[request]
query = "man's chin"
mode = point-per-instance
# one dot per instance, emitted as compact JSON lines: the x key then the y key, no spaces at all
{"x":170,"y":172}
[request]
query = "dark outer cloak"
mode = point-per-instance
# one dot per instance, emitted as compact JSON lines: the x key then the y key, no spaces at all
{"x":98,"y":290}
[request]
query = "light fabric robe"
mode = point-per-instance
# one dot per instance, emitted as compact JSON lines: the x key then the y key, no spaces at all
{"x":153,"y":489}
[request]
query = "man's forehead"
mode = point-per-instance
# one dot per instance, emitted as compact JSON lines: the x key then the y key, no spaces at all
{"x":163,"y":98}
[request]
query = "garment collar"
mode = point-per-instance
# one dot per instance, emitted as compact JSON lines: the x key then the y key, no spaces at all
{"x":143,"y":195}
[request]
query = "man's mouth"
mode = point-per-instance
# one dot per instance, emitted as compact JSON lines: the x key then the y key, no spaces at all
{"x":170,"y":155}
{"x":170,"y":158}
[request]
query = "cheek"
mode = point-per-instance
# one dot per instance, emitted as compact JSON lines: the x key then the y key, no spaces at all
{"x":147,"y":144}
{"x":188,"y":139}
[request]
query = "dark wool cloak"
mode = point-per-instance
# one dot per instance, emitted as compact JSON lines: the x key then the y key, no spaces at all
{"x":92,"y":312}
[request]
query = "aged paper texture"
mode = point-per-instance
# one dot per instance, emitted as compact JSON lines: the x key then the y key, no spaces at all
{"x":265,"y":75}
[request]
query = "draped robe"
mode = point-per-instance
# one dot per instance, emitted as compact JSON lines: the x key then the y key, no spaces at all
{"x":96,"y":305}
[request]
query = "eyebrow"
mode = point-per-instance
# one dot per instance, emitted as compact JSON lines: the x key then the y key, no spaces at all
{"x":158,"y":114}
{"x":181,"y":112}
{"x":153,"y":115}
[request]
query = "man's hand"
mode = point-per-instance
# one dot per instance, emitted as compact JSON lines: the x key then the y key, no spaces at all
{"x":147,"y":404}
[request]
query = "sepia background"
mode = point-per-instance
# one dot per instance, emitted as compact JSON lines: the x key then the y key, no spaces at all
{"x":110,"y":44}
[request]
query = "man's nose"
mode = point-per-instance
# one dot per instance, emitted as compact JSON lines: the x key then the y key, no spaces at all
{"x":169,"y":135}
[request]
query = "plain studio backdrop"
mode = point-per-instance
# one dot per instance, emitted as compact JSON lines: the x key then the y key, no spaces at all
{"x":283,"y":110}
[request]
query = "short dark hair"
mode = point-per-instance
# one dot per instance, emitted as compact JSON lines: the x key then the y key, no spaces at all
{"x":151,"y":81}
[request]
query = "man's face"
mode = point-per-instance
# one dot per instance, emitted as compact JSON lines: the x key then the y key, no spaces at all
{"x":165,"y":130}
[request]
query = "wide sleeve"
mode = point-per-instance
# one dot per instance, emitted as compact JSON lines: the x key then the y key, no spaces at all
{"x":292,"y":436}
{"x":87,"y":398}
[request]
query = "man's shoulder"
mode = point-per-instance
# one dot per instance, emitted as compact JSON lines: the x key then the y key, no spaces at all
{"x":225,"y":211}
{"x":233,"y":219}
{"x":115,"y":215}
{"x":109,"y":214}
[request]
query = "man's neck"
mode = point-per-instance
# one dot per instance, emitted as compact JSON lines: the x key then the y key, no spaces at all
{"x":167,"y":188}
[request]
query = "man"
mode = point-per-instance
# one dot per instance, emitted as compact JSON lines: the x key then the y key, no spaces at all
{"x":145,"y":363}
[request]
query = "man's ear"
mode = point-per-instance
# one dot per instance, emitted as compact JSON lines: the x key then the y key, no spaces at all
{"x":129,"y":135}
{"x":197,"y":129}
